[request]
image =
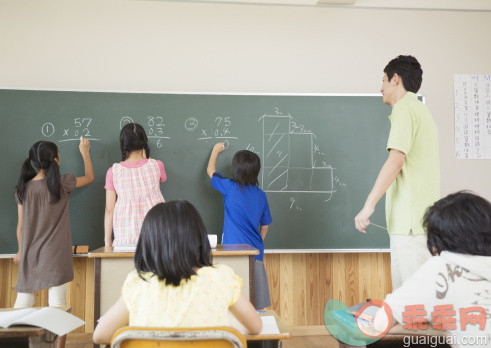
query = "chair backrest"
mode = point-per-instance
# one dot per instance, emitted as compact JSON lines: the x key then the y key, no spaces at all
{"x":146,"y":337}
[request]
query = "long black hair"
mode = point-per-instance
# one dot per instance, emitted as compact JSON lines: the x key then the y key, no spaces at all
{"x":173,"y":242}
{"x":245,"y":168}
{"x":460,"y":223}
{"x":132,"y":138}
{"x":42,"y":154}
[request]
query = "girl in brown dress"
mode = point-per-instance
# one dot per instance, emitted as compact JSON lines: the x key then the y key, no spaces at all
{"x":43,"y":228}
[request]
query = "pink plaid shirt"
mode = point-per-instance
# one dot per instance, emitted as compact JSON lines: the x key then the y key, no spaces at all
{"x":138,"y":190}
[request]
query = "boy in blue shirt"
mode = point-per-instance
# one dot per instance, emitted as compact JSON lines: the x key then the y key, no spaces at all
{"x":247,"y":214}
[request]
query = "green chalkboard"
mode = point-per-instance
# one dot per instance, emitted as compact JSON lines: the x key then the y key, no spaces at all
{"x":320,"y":154}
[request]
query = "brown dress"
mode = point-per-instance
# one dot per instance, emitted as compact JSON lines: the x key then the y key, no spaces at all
{"x":46,"y":245}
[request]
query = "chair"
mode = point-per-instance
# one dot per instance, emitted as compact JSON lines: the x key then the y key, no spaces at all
{"x":147,"y":337}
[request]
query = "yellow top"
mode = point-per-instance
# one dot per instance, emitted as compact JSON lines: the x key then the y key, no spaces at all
{"x":202,"y":300}
{"x":414,"y":132}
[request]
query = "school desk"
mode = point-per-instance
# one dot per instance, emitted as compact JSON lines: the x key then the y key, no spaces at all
{"x":269,"y":341}
{"x":28,"y":336}
{"x":111,"y":269}
{"x":395,"y":337}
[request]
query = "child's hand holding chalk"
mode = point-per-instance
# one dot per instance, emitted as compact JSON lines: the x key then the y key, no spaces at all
{"x":212,"y":162}
{"x":219,"y":147}
{"x":84,"y":146}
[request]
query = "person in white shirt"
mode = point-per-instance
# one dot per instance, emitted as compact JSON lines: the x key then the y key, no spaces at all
{"x":457,"y":277}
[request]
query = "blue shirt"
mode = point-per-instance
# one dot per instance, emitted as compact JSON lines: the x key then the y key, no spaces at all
{"x":245,"y":210}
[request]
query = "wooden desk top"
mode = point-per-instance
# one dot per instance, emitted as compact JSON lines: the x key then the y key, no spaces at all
{"x":220,"y":250}
{"x":25,"y":331}
{"x":284,"y":330}
{"x":21,"y":331}
{"x":399,"y":331}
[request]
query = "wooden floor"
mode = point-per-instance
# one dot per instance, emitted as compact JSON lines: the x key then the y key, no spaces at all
{"x":311,"y":342}
{"x":84,"y":341}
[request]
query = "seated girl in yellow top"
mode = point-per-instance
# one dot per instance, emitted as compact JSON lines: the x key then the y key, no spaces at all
{"x":175,"y":283}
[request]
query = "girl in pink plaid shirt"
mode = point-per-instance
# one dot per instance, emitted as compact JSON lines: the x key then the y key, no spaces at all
{"x":132,"y":188}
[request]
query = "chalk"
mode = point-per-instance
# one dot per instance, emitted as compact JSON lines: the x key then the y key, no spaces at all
{"x":382,"y":227}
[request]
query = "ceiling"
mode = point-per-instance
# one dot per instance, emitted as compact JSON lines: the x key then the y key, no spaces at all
{"x":458,"y":5}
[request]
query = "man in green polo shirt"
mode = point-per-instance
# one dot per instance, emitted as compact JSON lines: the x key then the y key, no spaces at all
{"x":411,"y":175}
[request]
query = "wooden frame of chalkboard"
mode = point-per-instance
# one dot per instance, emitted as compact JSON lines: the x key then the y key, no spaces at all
{"x":334,"y":139}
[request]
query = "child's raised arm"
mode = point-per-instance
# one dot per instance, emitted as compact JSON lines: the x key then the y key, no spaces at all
{"x":212,"y":163}
{"x":89,"y":170}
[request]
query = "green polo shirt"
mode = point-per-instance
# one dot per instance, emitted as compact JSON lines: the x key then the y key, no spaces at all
{"x":417,"y":186}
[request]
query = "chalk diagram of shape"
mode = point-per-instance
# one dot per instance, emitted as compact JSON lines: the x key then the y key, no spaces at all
{"x":288,"y":159}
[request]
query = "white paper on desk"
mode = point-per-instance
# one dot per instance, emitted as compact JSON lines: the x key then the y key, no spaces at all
{"x":269,"y":325}
{"x":9,"y":317}
{"x":51,"y":319}
{"x":124,"y":249}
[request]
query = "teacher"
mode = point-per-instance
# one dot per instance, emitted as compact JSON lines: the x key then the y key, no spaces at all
{"x":410,"y":176}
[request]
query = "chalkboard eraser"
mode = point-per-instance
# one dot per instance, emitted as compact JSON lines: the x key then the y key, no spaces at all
{"x":80,"y":249}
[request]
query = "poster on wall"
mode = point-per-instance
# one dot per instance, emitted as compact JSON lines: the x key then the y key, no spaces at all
{"x":472,"y":116}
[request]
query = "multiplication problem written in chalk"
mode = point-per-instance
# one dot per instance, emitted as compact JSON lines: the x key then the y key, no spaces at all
{"x":81,"y":127}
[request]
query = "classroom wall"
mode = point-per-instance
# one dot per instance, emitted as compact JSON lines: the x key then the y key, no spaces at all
{"x":204,"y":47}
{"x":300,"y":286}
{"x":207,"y":47}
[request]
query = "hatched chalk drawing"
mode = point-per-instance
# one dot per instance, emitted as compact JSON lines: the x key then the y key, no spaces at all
{"x":292,"y":161}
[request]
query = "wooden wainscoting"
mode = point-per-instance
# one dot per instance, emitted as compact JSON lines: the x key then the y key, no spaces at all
{"x":80,"y":293}
{"x":300,"y":285}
